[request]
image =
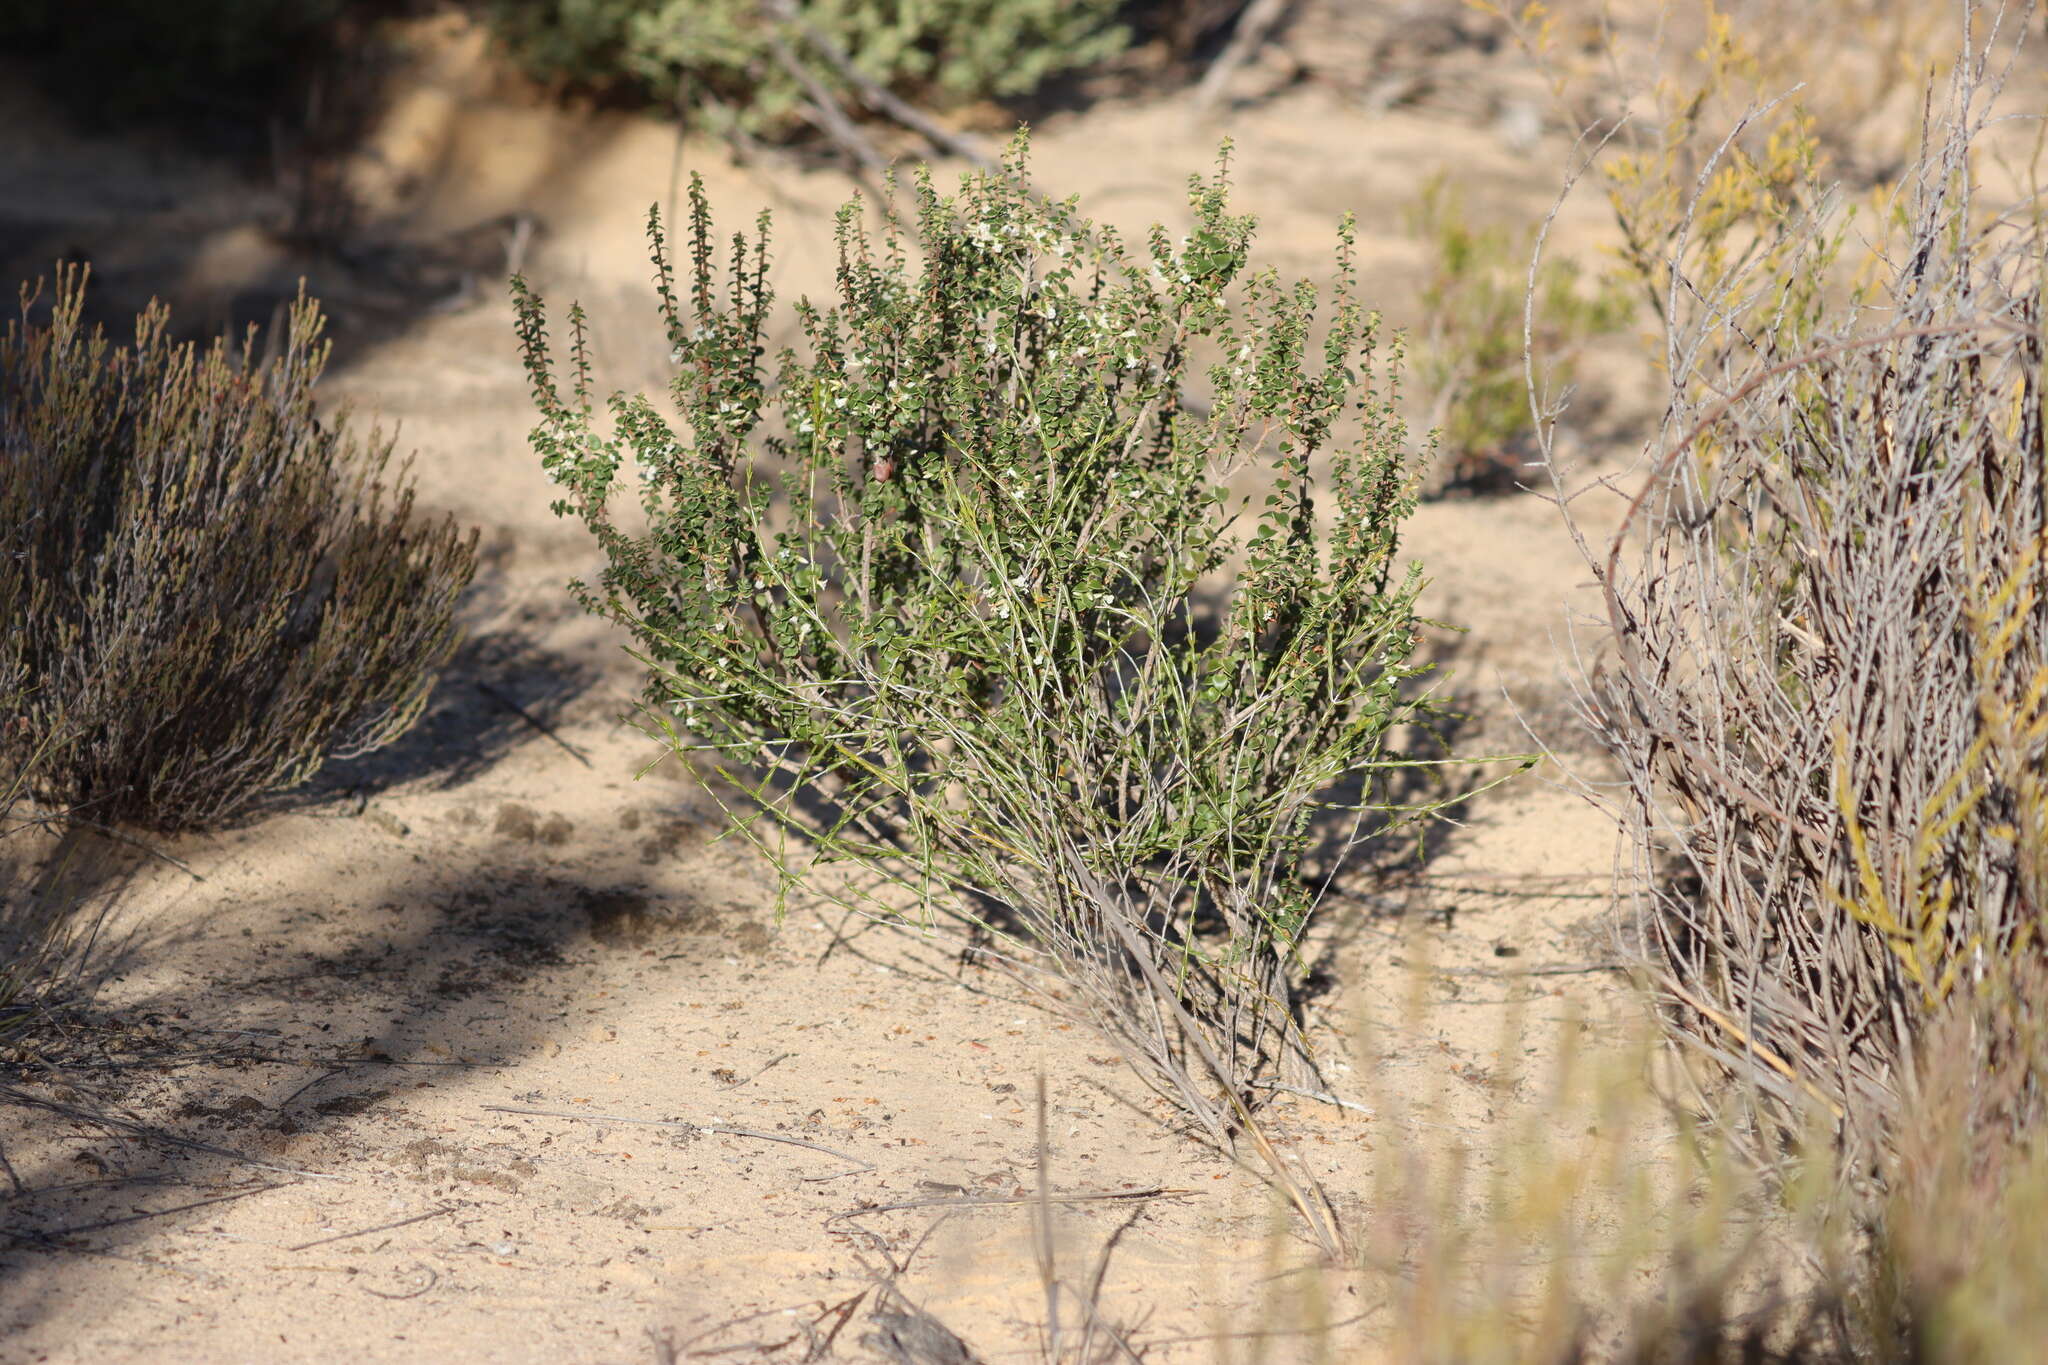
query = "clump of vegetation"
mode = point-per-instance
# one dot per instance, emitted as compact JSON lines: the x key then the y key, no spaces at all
{"x":1470,"y":341}
{"x":751,"y":65}
{"x":23,"y":945}
{"x":945,"y":589}
{"x":209,"y":590}
{"x":1829,"y":610}
{"x":1827,"y":659}
{"x":1601,"y":1222}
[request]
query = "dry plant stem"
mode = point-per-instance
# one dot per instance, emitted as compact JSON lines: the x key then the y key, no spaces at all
{"x":1041,"y":1232}
{"x":1323,"y":1096}
{"x":679,"y":1124}
{"x":766,"y":1067}
{"x":823,"y":111}
{"x":146,"y":1133}
{"x":545,"y":730}
{"x":122,"y":837}
{"x":1314,"y":1211}
{"x":1254,"y":22}
{"x":50,"y":1234}
{"x":1004,"y":1201}
{"x":381,"y":1227}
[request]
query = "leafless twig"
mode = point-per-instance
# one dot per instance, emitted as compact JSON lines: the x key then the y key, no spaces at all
{"x":548,"y":730}
{"x":381,"y":1227}
{"x":48,"y":1234}
{"x":1253,"y":24}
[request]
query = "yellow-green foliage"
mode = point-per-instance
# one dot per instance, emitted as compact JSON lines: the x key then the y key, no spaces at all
{"x":1735,"y":127}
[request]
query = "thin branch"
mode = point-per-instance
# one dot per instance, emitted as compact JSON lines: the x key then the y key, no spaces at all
{"x":876,"y":96}
{"x":516,"y":709}
{"x":1254,"y":23}
{"x":381,"y":1227}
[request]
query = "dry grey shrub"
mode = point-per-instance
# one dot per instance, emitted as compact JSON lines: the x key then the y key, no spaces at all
{"x":1827,"y":682}
{"x":209,"y":590}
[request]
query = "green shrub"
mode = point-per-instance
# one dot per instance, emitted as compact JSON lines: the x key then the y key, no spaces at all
{"x":946,"y":51}
{"x":212,"y":590}
{"x":945,"y":588}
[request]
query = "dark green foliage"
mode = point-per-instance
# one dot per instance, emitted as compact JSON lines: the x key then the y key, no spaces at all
{"x":210,"y":591}
{"x":951,"y":587}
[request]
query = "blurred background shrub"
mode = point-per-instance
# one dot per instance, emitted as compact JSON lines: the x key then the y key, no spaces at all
{"x":748,"y":62}
{"x":1469,"y":341}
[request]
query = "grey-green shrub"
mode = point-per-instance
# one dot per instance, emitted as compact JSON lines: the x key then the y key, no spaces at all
{"x":211,"y":589}
{"x":948,"y":587}
{"x":942,"y":51}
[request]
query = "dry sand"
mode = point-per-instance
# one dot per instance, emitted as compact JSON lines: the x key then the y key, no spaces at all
{"x":340,"y":1018}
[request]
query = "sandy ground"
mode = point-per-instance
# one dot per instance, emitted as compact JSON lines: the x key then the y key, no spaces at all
{"x":441,"y":1054}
